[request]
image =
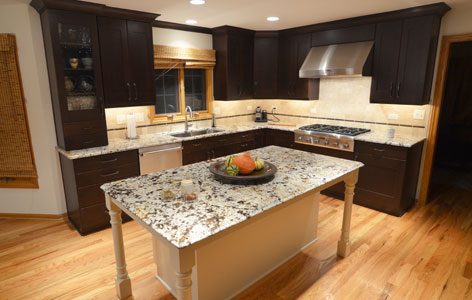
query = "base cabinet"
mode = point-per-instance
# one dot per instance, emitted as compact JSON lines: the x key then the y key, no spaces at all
{"x":82,"y":180}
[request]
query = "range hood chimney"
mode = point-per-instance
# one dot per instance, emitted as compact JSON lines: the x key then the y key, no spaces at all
{"x":341,"y":60}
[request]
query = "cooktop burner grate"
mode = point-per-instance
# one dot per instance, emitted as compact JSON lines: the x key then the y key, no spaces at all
{"x":350,"y":131}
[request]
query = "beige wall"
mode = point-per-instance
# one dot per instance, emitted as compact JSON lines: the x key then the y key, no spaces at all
{"x":23,"y":21}
{"x":184,"y":39}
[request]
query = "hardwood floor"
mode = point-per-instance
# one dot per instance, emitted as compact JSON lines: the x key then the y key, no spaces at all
{"x":426,"y":254}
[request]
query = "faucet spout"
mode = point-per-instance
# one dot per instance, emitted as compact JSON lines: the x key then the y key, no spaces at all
{"x":188,"y":109}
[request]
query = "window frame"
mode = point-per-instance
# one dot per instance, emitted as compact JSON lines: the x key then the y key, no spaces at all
{"x":179,"y":117}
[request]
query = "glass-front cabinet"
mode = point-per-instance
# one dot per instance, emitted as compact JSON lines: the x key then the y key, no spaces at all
{"x":77,"y":64}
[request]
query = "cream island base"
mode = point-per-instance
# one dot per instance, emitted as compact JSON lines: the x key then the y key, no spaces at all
{"x":219,"y":245}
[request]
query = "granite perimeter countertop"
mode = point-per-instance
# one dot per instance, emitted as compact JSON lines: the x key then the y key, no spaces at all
{"x":155,"y":139}
{"x":220,"y":206}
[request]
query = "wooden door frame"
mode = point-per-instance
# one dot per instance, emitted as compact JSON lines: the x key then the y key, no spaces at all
{"x":435,"y":110}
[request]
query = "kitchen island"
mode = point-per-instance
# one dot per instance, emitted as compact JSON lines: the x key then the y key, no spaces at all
{"x":227,"y":216}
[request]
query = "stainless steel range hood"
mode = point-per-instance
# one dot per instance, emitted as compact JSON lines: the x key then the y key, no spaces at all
{"x":346,"y":60}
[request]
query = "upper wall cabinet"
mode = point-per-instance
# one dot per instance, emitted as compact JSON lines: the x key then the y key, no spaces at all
{"x":404,"y":55}
{"x":265,"y":64}
{"x":233,"y":72}
{"x":293,"y":49}
{"x":88,"y":60}
{"x":352,"y":34}
{"x":128,"y":62}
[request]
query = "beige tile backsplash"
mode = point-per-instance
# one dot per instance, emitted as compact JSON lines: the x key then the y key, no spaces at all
{"x":340,"y":98}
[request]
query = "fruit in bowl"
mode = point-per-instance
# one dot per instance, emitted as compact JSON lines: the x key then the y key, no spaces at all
{"x":245,"y":163}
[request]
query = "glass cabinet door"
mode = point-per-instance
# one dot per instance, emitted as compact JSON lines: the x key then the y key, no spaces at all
{"x":80,"y":67}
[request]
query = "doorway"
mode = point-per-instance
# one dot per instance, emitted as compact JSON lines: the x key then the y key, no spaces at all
{"x":448,"y":160}
{"x":452,"y":162}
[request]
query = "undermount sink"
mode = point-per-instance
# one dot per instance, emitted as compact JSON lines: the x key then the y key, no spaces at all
{"x":196,"y":132}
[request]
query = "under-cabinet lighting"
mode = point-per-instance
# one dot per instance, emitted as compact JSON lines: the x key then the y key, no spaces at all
{"x":273,"y":19}
{"x":191,"y":22}
{"x":197,"y":2}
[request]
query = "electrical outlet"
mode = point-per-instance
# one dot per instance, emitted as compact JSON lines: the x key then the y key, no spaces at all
{"x":120,"y":119}
{"x":393,"y":116}
{"x":249,"y":107}
{"x":313,"y":110}
{"x":217,"y":110}
{"x":139,"y":117}
{"x":418,"y":114}
{"x":274,"y":107}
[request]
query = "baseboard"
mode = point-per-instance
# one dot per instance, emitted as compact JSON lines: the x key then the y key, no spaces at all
{"x":61,"y":217}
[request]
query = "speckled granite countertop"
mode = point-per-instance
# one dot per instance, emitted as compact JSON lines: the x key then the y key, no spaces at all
{"x":220,"y":206}
{"x":118,"y":145}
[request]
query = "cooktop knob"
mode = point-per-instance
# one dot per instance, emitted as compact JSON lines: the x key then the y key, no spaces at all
{"x":316,"y":140}
{"x":326,"y":142}
{"x":335,"y":144}
{"x":300,"y":138}
{"x":346,"y":146}
{"x":309,"y":139}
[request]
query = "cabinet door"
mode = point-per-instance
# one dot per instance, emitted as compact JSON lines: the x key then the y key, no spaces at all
{"x":283,"y":81}
{"x":76,"y":55}
{"x":265,"y":66}
{"x":141,"y":63}
{"x":114,"y":54}
{"x":386,"y":57}
{"x":301,"y":46}
{"x":412,"y":76}
{"x":240,"y":62}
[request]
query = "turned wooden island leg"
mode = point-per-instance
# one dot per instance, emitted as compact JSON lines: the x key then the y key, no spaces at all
{"x":344,"y":244}
{"x":122,"y":280}
{"x":185,"y":260}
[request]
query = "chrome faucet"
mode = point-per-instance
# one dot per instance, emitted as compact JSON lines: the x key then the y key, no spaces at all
{"x":188,"y":108}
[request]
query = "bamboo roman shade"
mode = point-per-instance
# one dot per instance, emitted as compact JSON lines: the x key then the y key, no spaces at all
{"x":168,"y":57}
{"x":16,"y":155}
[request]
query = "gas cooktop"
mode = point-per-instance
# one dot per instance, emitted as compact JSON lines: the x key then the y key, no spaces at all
{"x":342,"y":130}
{"x":328,"y":136}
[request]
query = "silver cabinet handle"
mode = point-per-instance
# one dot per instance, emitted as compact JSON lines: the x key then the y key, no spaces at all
{"x":129,"y":91}
{"x":135,"y":92}
{"x":398,"y":89}
{"x":160,"y":150}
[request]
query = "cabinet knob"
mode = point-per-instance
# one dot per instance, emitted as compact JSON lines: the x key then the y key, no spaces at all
{"x":129,"y":91}
{"x":135,"y":92}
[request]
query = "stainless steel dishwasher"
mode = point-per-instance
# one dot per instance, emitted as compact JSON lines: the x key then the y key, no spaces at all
{"x":157,"y":158}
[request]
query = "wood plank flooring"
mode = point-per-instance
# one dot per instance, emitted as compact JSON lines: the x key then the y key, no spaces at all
{"x":426,"y":254}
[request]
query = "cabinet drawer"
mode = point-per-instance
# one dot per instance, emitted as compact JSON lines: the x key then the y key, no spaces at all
{"x":81,"y":128}
{"x":104,"y":161}
{"x":196,"y":145}
{"x":246,"y":146}
{"x":90,"y":195}
{"x":94,"y":217}
{"x":194,"y":157}
{"x":223,"y":140}
{"x":110,"y":174}
{"x":76,"y":142}
{"x":247,"y":136}
{"x":381,"y":150}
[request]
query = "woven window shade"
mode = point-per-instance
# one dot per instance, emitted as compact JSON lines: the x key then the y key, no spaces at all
{"x":168,"y":57}
{"x":16,"y":154}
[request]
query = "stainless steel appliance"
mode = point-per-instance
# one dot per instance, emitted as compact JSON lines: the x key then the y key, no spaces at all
{"x":336,"y":60}
{"x":328,"y":136}
{"x":157,"y":158}
{"x":258,"y":114}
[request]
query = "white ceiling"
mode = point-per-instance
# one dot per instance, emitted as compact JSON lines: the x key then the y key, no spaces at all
{"x":252,"y":14}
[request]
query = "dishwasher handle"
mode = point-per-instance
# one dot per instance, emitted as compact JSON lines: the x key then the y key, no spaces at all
{"x":160,"y":150}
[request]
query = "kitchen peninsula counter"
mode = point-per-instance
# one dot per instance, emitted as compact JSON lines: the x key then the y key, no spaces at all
{"x":183,"y":227}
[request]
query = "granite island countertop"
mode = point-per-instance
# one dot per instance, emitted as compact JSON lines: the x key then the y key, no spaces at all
{"x":220,"y":206}
{"x":147,"y":140}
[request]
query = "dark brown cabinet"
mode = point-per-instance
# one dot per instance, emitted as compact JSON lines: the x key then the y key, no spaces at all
{"x":73,"y":58}
{"x":293,"y":49}
{"x":403,"y":65}
{"x":213,"y":147}
{"x":82,"y":179}
{"x":388,"y":179}
{"x":127,"y":60}
{"x":266,"y":45}
{"x":233,"y":72}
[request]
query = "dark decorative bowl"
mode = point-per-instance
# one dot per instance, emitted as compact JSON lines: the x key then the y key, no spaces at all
{"x":264,"y":175}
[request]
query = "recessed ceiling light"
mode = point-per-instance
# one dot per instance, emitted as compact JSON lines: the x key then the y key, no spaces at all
{"x":191,"y":22}
{"x":197,"y":2}
{"x":272,"y":19}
